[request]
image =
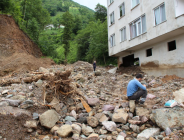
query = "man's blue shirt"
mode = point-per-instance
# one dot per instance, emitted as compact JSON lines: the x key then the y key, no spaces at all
{"x":133,"y":86}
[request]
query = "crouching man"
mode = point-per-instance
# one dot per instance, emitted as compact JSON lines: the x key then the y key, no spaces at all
{"x":136,"y":90}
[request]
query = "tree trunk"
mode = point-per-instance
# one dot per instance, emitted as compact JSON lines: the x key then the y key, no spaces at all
{"x":104,"y":59}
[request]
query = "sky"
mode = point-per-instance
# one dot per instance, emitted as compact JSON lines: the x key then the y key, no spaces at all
{"x":91,"y":3}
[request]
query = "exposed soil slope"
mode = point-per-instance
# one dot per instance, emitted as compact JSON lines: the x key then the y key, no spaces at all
{"x":17,"y":51}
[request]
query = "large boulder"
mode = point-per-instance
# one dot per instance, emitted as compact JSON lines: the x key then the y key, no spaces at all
{"x":168,"y":117}
{"x":146,"y":134}
{"x":64,"y":131}
{"x":49,"y":118}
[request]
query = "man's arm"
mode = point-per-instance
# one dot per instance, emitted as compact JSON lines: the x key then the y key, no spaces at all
{"x":141,"y":86}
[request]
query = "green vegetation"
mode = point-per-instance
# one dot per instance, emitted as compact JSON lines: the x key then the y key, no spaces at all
{"x":83,"y":37}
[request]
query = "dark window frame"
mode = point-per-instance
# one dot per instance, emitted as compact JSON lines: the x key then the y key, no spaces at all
{"x":149,"y":52}
{"x":170,"y":47}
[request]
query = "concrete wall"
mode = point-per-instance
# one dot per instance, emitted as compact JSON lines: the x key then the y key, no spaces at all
{"x":161,"y":56}
{"x":179,"y":6}
{"x":145,"y":7}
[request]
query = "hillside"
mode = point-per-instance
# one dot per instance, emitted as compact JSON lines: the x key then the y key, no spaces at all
{"x":58,"y":7}
{"x":17,"y":51}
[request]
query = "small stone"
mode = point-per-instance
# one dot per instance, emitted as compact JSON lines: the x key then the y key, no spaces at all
{"x":30,"y":130}
{"x":93,"y":137}
{"x":73,"y":114}
{"x":82,"y":120}
{"x":69,"y":118}
{"x":39,"y":83}
{"x":120,"y":137}
{"x":151,"y":138}
{"x":132,"y":105}
{"x":109,"y":125}
{"x":87,"y":130}
{"x":5,"y":92}
{"x":147,"y":133}
{"x":125,"y":127}
{"x":109,"y":137}
{"x":134,"y":122}
{"x":114,"y":133}
{"x":108,"y":107}
{"x":135,"y":128}
{"x":103,"y":131}
{"x":64,"y":131}
{"x":140,"y":111}
{"x":54,"y":129}
{"x":92,"y":121}
{"x":31,"y":124}
{"x":93,"y":101}
{"x":35,"y":116}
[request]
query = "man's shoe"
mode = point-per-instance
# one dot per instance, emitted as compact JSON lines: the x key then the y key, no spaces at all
{"x":142,"y":105}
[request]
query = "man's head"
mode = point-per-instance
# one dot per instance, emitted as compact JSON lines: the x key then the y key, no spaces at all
{"x":94,"y":61}
{"x":139,"y":77}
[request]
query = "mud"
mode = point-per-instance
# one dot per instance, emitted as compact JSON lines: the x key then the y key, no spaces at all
{"x":12,"y":128}
{"x":18,"y":53}
{"x":150,"y":64}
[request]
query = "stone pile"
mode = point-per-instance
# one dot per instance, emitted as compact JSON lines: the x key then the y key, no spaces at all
{"x":111,"y":115}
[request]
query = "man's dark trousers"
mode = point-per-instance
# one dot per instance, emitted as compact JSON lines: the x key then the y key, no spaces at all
{"x":137,"y":95}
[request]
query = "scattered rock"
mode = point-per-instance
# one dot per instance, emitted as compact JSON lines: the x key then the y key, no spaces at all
{"x":69,"y":118}
{"x":49,"y":118}
{"x":44,"y":70}
{"x":140,"y":111}
{"x":64,"y":131}
{"x":147,"y":133}
{"x":120,"y":116}
{"x":93,"y":101}
{"x":31,"y":124}
{"x":93,"y":137}
{"x":108,"y":107}
{"x":109,"y":125}
{"x":92,"y":121}
{"x":132,"y":105}
{"x":87,"y":130}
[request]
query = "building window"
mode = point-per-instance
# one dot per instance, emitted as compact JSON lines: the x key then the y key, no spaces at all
{"x":112,"y":40}
{"x":172,"y":45}
{"x":134,"y":3}
{"x":149,"y":52}
{"x":138,"y":27}
{"x":123,"y":34}
{"x":122,"y":10}
{"x":160,"y":15}
{"x":111,"y":18}
{"x":111,"y":1}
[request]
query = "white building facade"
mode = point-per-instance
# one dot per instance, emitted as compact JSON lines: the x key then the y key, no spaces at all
{"x":148,"y":31}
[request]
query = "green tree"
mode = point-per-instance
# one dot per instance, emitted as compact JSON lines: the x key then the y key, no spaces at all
{"x":77,"y":25}
{"x":5,"y":5}
{"x":100,"y":12}
{"x":67,"y":21}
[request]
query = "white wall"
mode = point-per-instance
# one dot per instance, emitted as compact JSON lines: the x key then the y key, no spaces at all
{"x":145,"y":7}
{"x":161,"y":55}
{"x":179,"y":7}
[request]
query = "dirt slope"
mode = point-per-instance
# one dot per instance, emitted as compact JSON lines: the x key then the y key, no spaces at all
{"x":17,"y":51}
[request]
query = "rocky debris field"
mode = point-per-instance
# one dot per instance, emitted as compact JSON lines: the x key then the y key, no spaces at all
{"x":74,"y":103}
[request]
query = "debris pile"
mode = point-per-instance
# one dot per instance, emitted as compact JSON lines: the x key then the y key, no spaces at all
{"x":73,"y":102}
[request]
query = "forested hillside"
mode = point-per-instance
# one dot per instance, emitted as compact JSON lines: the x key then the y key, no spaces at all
{"x":82,"y":36}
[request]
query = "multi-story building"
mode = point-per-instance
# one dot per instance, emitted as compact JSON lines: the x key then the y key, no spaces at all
{"x":148,"y":31}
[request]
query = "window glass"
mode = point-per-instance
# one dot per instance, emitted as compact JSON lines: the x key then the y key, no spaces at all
{"x":160,"y":15}
{"x":122,"y":10}
{"x":134,"y":3}
{"x":112,"y":18}
{"x":138,"y":27}
{"x":123,"y":34}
